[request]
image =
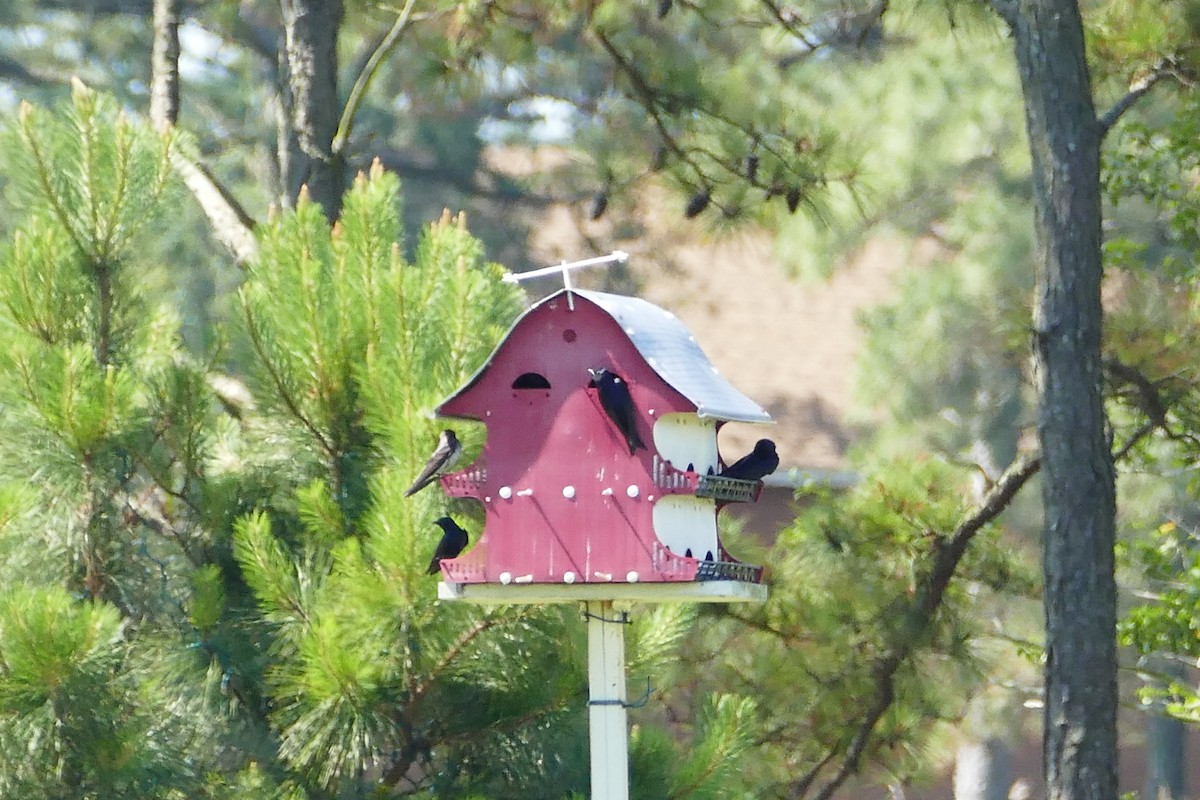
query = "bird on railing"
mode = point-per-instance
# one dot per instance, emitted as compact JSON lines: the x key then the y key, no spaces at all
{"x":444,"y":457}
{"x":755,"y":465}
{"x":454,"y":539}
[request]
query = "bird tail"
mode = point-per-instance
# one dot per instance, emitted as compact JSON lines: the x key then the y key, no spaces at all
{"x":435,"y":566}
{"x":418,"y":486}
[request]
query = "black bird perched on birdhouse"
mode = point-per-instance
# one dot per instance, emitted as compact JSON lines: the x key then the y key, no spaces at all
{"x":755,"y":465}
{"x":442,"y":461}
{"x":454,"y":539}
{"x":614,"y":396}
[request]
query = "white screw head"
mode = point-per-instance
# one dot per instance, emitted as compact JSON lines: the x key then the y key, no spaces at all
{"x":631,"y":576}
{"x":506,"y":492}
{"x":568,"y":577}
{"x":506,"y":578}
{"x":632,"y":491}
{"x":568,"y":492}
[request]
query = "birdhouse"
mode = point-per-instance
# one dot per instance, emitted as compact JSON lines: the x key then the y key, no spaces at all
{"x":569,"y":495}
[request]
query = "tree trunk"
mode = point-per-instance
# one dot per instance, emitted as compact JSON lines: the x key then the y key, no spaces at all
{"x":1165,"y":737}
{"x":164,"y":65}
{"x":1165,"y":741}
{"x":310,"y":94}
{"x":982,"y":771}
{"x":1079,"y":738}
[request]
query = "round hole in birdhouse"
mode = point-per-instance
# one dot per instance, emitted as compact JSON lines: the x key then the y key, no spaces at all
{"x":569,"y":335}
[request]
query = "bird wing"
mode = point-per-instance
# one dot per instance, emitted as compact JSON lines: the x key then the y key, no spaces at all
{"x":618,"y":403}
{"x":442,"y":459}
{"x":735,"y":469}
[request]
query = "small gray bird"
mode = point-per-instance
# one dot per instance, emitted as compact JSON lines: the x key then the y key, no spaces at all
{"x":454,"y":539}
{"x":755,"y":465}
{"x":618,"y":404}
{"x":442,"y":461}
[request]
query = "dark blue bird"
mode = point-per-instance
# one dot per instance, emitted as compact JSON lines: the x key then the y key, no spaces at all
{"x":454,"y":539}
{"x":755,"y":465}
{"x":614,"y":397}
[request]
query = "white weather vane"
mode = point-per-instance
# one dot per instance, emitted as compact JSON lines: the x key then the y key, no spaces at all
{"x":619,"y":256}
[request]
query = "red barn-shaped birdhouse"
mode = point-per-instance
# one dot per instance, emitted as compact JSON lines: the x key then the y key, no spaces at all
{"x":565,"y":500}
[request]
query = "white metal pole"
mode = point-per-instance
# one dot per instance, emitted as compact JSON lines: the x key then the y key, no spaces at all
{"x":609,"y":729}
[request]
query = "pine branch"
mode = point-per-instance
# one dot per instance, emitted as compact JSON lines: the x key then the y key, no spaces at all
{"x":648,"y":97}
{"x":1149,"y":400}
{"x":948,"y":552}
{"x":232,"y":226}
{"x":280,"y":385}
{"x":452,"y":652}
{"x":43,"y":169}
{"x":1138,"y":89}
{"x":13,"y":70}
{"x":369,"y":70}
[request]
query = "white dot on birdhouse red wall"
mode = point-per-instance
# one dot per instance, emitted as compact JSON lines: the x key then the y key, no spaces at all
{"x":632,"y":577}
{"x":568,"y":492}
{"x":632,"y":491}
{"x":506,"y":492}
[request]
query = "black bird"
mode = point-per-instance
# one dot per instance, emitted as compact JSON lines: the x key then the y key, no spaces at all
{"x":454,"y":539}
{"x":755,"y":465}
{"x":442,"y":461}
{"x":614,"y":396}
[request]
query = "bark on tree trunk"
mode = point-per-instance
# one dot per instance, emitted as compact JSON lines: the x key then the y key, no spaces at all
{"x":1079,"y":737}
{"x":164,"y":65}
{"x":310,"y":58}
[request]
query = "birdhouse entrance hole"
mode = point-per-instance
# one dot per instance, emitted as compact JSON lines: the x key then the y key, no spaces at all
{"x":531,"y":380}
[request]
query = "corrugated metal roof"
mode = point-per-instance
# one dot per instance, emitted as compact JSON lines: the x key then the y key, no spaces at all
{"x":671,"y":350}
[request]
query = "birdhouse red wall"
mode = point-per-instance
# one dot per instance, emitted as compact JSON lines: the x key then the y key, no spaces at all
{"x":564,"y":499}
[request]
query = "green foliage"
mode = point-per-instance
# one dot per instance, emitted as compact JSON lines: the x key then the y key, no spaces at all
{"x":849,"y":625}
{"x":98,"y":173}
{"x":722,"y":733}
{"x":216,"y":591}
{"x":73,"y":719}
